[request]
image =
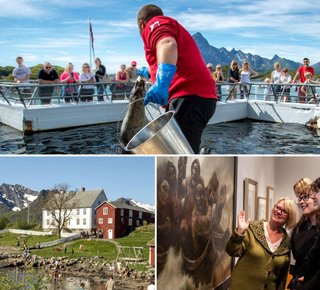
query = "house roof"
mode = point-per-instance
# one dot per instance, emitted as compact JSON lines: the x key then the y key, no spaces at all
{"x":86,"y":198}
{"x":121,"y":205}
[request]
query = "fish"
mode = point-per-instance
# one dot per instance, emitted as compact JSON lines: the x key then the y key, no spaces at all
{"x":135,"y":118}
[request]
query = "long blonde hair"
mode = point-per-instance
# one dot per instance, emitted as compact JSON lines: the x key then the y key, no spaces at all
{"x":304,"y":181}
{"x":89,"y":70}
{"x":232,"y":63}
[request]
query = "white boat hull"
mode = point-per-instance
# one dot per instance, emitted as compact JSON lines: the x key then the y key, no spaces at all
{"x":52,"y":117}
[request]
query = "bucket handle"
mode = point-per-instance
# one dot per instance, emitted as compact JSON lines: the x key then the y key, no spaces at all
{"x":125,"y":109}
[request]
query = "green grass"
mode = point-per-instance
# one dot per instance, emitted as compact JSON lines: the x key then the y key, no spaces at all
{"x":138,"y":238}
{"x":10,"y":239}
{"x":90,"y":248}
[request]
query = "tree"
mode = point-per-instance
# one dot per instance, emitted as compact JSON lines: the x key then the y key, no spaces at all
{"x":4,"y":221}
{"x":60,"y":205}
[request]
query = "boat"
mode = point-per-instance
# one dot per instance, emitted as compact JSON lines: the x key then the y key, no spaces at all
{"x":29,"y":116}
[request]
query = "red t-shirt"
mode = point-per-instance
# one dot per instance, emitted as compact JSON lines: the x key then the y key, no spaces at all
{"x":302,"y":70}
{"x":192,"y":76}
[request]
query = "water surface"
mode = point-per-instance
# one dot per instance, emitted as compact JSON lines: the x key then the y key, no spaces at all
{"x":242,"y":137}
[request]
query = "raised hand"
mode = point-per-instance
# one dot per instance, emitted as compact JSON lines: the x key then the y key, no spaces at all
{"x":242,"y":223}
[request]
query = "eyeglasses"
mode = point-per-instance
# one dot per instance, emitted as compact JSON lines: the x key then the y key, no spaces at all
{"x":134,"y":65}
{"x":245,"y":63}
{"x":85,"y":67}
{"x":284,"y":71}
{"x":282,"y":210}
{"x":48,"y":66}
{"x":304,"y":197}
{"x":218,"y":67}
{"x":235,"y":64}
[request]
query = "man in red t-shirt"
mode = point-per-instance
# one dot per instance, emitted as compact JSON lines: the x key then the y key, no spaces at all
{"x":300,"y":73}
{"x":181,"y":80}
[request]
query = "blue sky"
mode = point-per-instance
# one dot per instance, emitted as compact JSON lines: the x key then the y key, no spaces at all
{"x":120,"y":176}
{"x":57,"y":30}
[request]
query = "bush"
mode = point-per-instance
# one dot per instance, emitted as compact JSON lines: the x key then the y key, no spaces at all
{"x":4,"y":221}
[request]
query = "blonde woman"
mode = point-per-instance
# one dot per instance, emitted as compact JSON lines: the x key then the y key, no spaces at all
{"x":275,"y":78}
{"x":246,"y":73}
{"x":69,"y":77}
{"x":263,"y":248}
{"x":233,"y":77}
{"x":301,"y":183}
{"x":87,"y":76}
{"x":219,"y":78}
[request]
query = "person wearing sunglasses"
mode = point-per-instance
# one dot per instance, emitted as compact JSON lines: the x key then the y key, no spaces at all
{"x":133,"y":71}
{"x":47,"y":75}
{"x":86,"y":76}
{"x":311,"y":278}
{"x":263,"y":248}
{"x":219,"y":78}
{"x":303,"y":235}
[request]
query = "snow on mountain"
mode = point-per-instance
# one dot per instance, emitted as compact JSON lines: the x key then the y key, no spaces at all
{"x":144,"y":205}
{"x":16,"y":197}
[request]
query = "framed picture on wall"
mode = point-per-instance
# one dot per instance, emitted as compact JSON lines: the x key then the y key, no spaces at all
{"x":270,"y":200}
{"x":261,"y":210}
{"x":195,"y":213}
{"x":250,"y":197}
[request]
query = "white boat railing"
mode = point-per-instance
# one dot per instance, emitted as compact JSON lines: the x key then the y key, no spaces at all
{"x":27,"y":95}
{"x":255,"y":91}
{"x":33,"y":94}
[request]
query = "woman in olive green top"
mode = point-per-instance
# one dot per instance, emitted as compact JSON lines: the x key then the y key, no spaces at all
{"x":263,"y":249}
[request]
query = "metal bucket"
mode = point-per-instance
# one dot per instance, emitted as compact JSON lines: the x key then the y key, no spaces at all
{"x":161,"y":136}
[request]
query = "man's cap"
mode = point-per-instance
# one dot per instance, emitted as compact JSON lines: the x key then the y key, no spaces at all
{"x":133,"y":62}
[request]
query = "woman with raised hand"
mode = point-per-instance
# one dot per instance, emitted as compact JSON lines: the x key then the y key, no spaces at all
{"x":263,"y":248}
{"x":304,"y":234}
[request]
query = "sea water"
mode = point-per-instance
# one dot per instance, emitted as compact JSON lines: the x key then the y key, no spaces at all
{"x":241,"y":137}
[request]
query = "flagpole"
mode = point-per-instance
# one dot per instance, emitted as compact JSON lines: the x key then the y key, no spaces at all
{"x":90,"y":40}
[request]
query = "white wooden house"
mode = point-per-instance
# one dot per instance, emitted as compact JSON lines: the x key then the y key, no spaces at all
{"x":83,"y":216}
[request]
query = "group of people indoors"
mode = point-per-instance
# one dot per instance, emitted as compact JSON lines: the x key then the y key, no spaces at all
{"x":263,"y":247}
{"x":48,"y":75}
{"x":240,"y":78}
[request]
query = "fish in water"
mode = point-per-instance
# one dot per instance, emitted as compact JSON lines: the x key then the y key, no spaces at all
{"x":135,"y":118}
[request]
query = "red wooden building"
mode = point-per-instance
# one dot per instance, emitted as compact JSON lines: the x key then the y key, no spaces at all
{"x":116,"y":219}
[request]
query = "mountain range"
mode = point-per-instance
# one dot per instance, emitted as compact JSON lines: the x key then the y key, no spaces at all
{"x":14,"y":200}
{"x":222,"y":56}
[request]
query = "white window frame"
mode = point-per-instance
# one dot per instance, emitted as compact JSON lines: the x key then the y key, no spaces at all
{"x":140,"y":214}
{"x":100,"y":221}
{"x":78,"y":211}
{"x":137,"y":223}
{"x":84,"y":222}
{"x":84,"y":211}
{"x":130,"y":222}
{"x":105,"y":211}
{"x":122,"y":212}
{"x":48,"y":222}
{"x":110,"y":221}
{"x":130,"y":212}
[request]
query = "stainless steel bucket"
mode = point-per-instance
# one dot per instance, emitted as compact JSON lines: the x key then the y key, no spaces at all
{"x":161,"y":136}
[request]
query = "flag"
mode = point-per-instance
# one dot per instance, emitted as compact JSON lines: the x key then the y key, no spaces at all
{"x":92,"y":39}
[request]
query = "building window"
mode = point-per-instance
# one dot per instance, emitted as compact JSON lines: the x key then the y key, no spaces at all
{"x":48,"y":222}
{"x":110,"y":221}
{"x":122,"y":219}
{"x":137,"y":223}
{"x":78,"y":222}
{"x":122,"y":212}
{"x":48,"y":213}
{"x":94,"y":221}
{"x":69,"y":222}
{"x":130,"y":212}
{"x":100,"y":221}
{"x":84,"y":211}
{"x":130,"y":222}
{"x":95,"y":212}
{"x":105,"y":210}
{"x":84,"y":222}
{"x":140,"y":214}
{"x":78,"y":211}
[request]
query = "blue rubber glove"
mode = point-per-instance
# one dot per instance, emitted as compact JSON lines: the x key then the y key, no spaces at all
{"x":159,"y":91}
{"x":143,"y":72}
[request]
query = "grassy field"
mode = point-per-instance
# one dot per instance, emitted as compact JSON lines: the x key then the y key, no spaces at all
{"x":11,"y":239}
{"x":108,"y":250}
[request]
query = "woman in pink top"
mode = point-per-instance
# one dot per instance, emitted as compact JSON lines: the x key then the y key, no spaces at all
{"x":122,"y":76}
{"x":69,"y":77}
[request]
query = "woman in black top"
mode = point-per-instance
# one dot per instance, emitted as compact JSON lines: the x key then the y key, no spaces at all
{"x":99,"y":75}
{"x":304,"y":234}
{"x":233,"y":77}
